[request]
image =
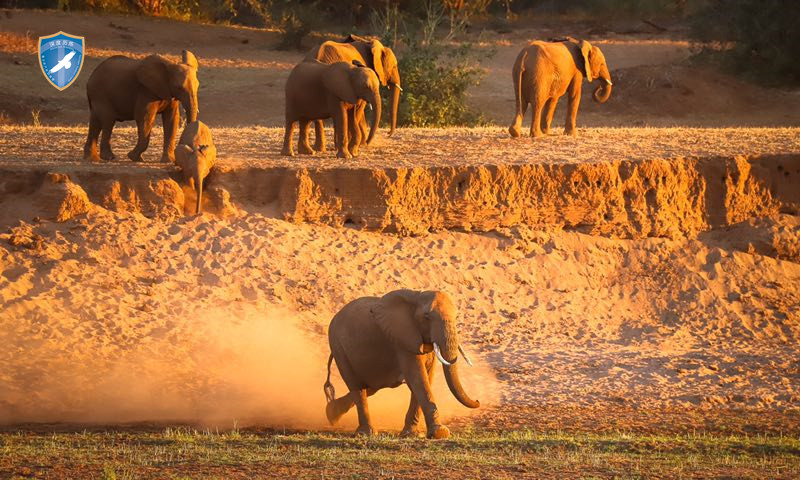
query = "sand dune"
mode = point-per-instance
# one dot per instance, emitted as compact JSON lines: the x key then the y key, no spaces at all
{"x":115,"y":317}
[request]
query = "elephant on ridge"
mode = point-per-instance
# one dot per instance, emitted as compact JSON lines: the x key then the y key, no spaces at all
{"x":123,"y":88}
{"x":382,"y":342}
{"x":545,"y":71}
{"x":316,"y":90}
{"x":374,"y":55}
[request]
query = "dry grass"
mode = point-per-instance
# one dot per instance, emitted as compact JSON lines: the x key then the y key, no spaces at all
{"x":188,"y":453}
{"x":416,"y":147}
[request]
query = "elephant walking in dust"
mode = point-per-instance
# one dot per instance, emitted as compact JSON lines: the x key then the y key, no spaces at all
{"x":545,"y":71}
{"x":123,"y":88}
{"x":381,"y":342}
{"x":196,"y":155}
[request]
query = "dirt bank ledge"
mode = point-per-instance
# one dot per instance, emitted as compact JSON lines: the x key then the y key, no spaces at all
{"x":628,"y":199}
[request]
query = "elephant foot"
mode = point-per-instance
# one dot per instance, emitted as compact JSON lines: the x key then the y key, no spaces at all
{"x":167,"y":158}
{"x":319,"y":147}
{"x":135,"y":157}
{"x":513,"y":131}
{"x":334,"y":412}
{"x":439,"y":432}
{"x":410,"y":432}
{"x":537,"y":134}
{"x":570,"y":131}
{"x":108,"y":156}
{"x":306,"y":150}
{"x":287,"y":152}
{"x":92,"y":157}
{"x":364,"y":431}
{"x":343,"y":154}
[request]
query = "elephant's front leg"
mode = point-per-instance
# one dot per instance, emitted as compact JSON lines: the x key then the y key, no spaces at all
{"x":145,"y":115}
{"x":412,"y":415}
{"x":170,"y":118}
{"x":340,"y":131}
{"x":364,"y":421}
{"x":416,"y":375}
{"x":363,"y":129}
{"x":355,"y":131}
{"x":572,"y":108}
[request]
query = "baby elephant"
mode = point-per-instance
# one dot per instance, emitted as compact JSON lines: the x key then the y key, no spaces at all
{"x":381,"y":342}
{"x":195,"y":155}
{"x":316,"y":91}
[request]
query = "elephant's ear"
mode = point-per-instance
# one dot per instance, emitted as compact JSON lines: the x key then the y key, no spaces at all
{"x":189,"y":59}
{"x":153,"y":74}
{"x":337,"y":80}
{"x":394,"y":314}
{"x":586,"y":50}
{"x":378,"y":61}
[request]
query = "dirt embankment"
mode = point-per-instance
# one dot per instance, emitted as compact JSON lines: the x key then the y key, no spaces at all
{"x":676,"y":191}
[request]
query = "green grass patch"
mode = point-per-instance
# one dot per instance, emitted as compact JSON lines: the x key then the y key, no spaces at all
{"x":189,"y":453}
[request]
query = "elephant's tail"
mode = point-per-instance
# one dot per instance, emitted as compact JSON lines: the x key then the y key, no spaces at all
{"x":330,"y":393}
{"x":521,"y":69}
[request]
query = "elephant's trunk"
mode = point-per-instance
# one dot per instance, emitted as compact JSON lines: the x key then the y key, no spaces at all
{"x":191,"y":108}
{"x":198,"y":187}
{"x":376,"y":119}
{"x":445,"y":345}
{"x":454,"y":383}
{"x":603,"y":92}
{"x":395,"y":88}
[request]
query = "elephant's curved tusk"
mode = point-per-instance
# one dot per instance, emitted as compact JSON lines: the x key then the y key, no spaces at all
{"x":608,"y":81}
{"x":464,"y":354}
{"x":439,"y":355}
{"x":369,"y":107}
{"x":397,"y":87}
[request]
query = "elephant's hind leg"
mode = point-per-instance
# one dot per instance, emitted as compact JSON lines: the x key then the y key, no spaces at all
{"x":536,"y":121}
{"x":549,"y":111}
{"x":90,"y":149}
{"x":105,"y":140}
{"x":287,"y":139}
{"x":335,"y":409}
{"x":516,"y":125}
{"x":303,"y":147}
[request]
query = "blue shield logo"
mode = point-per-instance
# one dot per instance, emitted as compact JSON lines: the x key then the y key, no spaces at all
{"x":61,"y":58}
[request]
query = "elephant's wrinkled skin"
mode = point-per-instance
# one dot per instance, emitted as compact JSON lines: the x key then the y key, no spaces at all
{"x":123,"y":88}
{"x":545,"y":71}
{"x":381,"y":342}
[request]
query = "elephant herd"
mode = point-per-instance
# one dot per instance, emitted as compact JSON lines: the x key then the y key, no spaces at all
{"x":377,"y":342}
{"x":336,"y":80}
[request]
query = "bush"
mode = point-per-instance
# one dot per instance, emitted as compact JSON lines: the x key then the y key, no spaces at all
{"x":755,"y":37}
{"x":435,"y":82}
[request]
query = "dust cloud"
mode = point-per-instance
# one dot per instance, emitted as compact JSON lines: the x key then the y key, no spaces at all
{"x":223,"y":368}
